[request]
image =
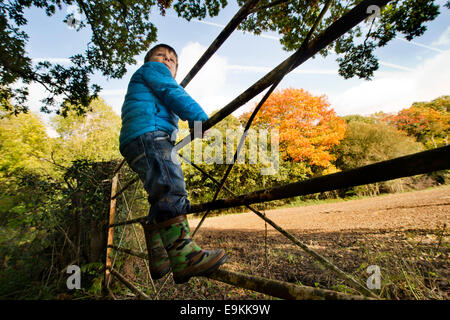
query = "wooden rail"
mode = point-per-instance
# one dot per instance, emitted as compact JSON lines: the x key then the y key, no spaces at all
{"x":333,"y":32}
{"x":424,"y":162}
{"x":410,"y":165}
{"x":274,"y":288}
{"x":226,"y":32}
{"x":280,"y":289}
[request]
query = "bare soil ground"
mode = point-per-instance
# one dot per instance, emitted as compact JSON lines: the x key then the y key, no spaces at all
{"x":426,"y":209}
{"x":404,"y":234}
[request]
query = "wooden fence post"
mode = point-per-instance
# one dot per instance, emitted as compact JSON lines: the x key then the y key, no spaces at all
{"x":112,"y":216}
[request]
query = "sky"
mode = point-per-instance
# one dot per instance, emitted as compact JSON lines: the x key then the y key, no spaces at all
{"x":409,"y":71}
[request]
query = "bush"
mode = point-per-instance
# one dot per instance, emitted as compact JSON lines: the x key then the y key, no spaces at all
{"x":367,"y":143}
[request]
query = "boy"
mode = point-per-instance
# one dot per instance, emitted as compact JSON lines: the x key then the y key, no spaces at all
{"x":150,"y":112}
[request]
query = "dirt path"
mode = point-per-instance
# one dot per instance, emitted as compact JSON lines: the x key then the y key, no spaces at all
{"x":420,"y":209}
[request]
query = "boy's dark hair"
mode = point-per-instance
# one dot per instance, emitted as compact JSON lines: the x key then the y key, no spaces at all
{"x":161,"y":45}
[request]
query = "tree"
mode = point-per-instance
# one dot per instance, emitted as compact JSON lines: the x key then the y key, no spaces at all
{"x":366,"y":143}
{"x":428,"y":122}
{"x":308,"y":127}
{"x":121,"y":30}
{"x":24,"y":144}
{"x":441,"y":104}
{"x":93,"y":136}
{"x":53,"y":205}
{"x":359,"y":118}
{"x":26,"y":191}
{"x":294,"y":19}
{"x":248,"y":174}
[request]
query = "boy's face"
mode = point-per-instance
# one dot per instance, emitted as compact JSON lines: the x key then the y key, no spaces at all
{"x":167,"y":57}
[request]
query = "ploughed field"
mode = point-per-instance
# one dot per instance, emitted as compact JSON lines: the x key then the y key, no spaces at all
{"x":405,"y":235}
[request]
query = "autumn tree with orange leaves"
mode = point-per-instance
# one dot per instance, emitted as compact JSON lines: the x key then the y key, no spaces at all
{"x":428,"y":122}
{"x":308,"y":127}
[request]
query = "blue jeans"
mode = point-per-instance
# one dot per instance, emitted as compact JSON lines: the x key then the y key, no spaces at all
{"x":150,"y":156}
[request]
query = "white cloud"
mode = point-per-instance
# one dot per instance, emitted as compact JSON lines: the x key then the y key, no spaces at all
{"x":53,"y":60}
{"x":394,"y":91}
{"x":115,"y":101}
{"x":388,"y":92}
{"x":211,"y":87}
{"x":114,"y":92}
{"x":37,"y":92}
{"x":114,"y":98}
{"x":208,"y":87}
{"x":444,"y":38}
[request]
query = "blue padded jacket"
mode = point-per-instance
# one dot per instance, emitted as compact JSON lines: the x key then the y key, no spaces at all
{"x":155,"y":101}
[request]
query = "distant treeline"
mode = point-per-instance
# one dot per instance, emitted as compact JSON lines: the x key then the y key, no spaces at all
{"x":55,"y":187}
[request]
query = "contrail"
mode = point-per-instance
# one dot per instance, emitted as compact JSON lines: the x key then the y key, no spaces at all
{"x":421,"y":45}
{"x":278,"y":38}
{"x":396,"y":66}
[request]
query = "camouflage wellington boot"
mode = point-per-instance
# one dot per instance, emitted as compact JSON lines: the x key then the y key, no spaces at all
{"x":187,"y":259}
{"x":159,"y":260}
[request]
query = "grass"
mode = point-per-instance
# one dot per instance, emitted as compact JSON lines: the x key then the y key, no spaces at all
{"x":414,"y":263}
{"x":415,"y":271}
